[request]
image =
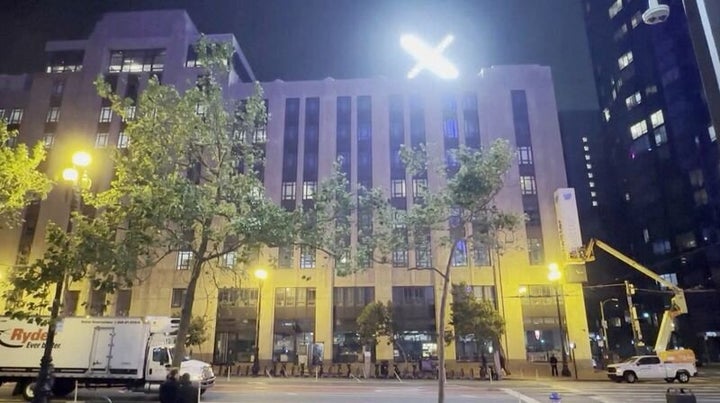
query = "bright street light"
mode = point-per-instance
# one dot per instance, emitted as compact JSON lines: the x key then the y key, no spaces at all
{"x":70,"y":174}
{"x":260,"y":274}
{"x":428,"y":57}
{"x":554,"y":272}
{"x":81,"y":159}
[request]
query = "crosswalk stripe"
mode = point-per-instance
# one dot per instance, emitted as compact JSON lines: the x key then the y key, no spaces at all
{"x":520,"y":396}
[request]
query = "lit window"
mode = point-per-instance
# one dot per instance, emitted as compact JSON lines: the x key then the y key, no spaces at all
{"x":633,"y":100}
{"x":260,"y":135}
{"x":587,"y":157}
{"x":638,"y":129}
{"x":700,"y":197}
{"x":586,"y":148}
{"x":590,"y":175}
{"x":288,"y":190}
{"x":593,"y":194}
{"x":105,"y":114}
{"x":627,"y":196}
{"x":620,"y":33}
{"x":646,"y":235}
{"x":49,"y":140}
{"x":584,"y":139}
{"x":136,"y":60}
{"x":606,"y":114}
{"x":697,"y":179}
{"x":419,"y":187}
{"x":58,"y":88}
{"x":615,"y":8}
{"x":183,"y":260}
{"x":525,"y":156}
{"x":591,"y":184}
{"x":625,"y":60}
{"x":309,"y":190}
{"x":588,"y":166}
{"x":400,"y":258}
{"x":527,"y":185}
{"x":200,"y":109}
{"x":16,"y":116}
{"x":53,"y":115}
{"x":594,"y":203}
{"x":398,"y":188}
{"x":460,"y":256}
{"x":101,"y":140}
{"x":670,"y":278}
{"x":660,"y":136}
{"x":130,"y":112}
{"x":229,"y":259}
{"x":123,"y":140}
{"x":657,"y":119}
{"x":636,"y":19}
{"x":711,"y":133}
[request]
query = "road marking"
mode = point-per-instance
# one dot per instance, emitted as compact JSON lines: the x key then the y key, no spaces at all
{"x":526,"y":399}
{"x":585,"y":394}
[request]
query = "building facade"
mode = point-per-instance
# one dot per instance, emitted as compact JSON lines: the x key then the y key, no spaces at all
{"x":662,"y":153}
{"x":361,"y":122}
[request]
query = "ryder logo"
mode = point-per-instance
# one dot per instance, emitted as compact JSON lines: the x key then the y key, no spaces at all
{"x":17,"y":337}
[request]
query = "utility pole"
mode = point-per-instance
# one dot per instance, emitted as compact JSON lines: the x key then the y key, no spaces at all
{"x":634,"y":321}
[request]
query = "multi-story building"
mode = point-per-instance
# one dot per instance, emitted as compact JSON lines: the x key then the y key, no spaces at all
{"x":663,"y":156}
{"x":314,"y":123}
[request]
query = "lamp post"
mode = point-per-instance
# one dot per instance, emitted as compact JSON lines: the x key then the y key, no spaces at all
{"x":604,"y":327}
{"x":261,"y":275}
{"x":554,"y":276}
{"x":43,"y":387}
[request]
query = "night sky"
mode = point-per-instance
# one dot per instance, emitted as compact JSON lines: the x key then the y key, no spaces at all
{"x":314,"y":39}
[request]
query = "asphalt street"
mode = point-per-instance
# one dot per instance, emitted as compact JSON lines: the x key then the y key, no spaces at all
{"x":349,"y":391}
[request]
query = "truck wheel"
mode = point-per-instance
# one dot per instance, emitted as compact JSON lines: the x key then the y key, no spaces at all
{"x":683,"y":377}
{"x":630,"y":377}
{"x":63,"y":387}
{"x":28,"y":390}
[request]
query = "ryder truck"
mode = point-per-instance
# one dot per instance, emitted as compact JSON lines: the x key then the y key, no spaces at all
{"x":134,"y":353}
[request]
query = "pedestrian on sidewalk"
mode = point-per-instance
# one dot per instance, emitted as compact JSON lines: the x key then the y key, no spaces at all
{"x":187,"y":393}
{"x":553,"y":365}
{"x":170,"y":388}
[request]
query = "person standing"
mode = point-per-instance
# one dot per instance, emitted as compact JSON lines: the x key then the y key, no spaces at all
{"x":170,"y":388}
{"x":553,"y":365}
{"x":187,"y":392}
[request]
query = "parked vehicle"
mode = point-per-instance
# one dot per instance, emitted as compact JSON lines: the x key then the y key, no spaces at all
{"x":651,"y":367}
{"x":134,"y":353}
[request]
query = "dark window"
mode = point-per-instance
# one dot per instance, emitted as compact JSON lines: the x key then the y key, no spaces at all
{"x":122,"y":304}
{"x":285,"y":256}
{"x":64,"y":61}
{"x":178,"y":297}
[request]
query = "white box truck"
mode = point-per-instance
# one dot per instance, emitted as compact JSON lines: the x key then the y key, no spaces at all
{"x":134,"y":353}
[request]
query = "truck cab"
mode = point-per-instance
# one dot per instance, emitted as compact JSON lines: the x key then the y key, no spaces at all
{"x":651,"y":367}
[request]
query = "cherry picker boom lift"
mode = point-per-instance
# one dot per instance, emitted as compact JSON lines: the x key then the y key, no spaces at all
{"x":678,"y":305}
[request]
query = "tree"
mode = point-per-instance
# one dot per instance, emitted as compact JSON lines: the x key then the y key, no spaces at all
{"x":475,"y":318}
{"x":465,"y":210}
{"x":21,"y":181}
{"x":189,"y":182}
{"x":378,"y":320}
{"x":196,"y":332}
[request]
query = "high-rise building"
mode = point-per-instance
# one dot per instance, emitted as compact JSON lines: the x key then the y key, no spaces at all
{"x":662,"y":155}
{"x":362,"y":123}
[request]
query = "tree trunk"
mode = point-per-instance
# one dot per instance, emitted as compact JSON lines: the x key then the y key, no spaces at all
{"x":441,"y":327}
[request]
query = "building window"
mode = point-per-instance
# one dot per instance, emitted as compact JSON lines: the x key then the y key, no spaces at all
{"x":525,"y":156}
{"x":620,"y":33}
{"x":636,"y":19}
{"x":15,"y":117}
{"x":657,"y":119}
{"x":53,"y":115}
{"x":307,"y":257}
{"x":660,"y":136}
{"x":123,"y":140}
{"x":137,"y":60}
{"x":588,"y":166}
{"x":288,"y":191}
{"x":590,"y":175}
{"x":64,"y":61}
{"x":398,"y":188}
{"x":58,"y":88}
{"x":586,"y":148}
{"x":2,"y":113}
{"x":130,"y":112}
{"x":594,"y":203}
{"x":183,"y":260}
{"x":700,"y":197}
{"x":105,"y":114}
{"x":625,"y":60}
{"x":606,"y":114}
{"x":591,"y":184}
{"x":527,"y":185}
{"x":260,"y":135}
{"x":670,"y":278}
{"x":662,"y":247}
{"x":535,"y":251}
{"x":481,"y":255}
{"x":123,"y":302}
{"x":101,"y":140}
{"x":633,"y":100}
{"x":201,"y":110}
{"x":460,"y":257}
{"x":615,"y":8}
{"x":309,"y":189}
{"x":638,"y":129}
{"x":178,"y":297}
{"x":49,"y":140}
{"x":419,"y":187}
{"x":593,"y":194}
{"x":285,"y":256}
{"x":422,"y":257}
{"x":229,"y":260}
{"x":400,"y":258}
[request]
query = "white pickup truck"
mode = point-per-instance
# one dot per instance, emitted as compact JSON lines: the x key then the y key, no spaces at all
{"x":651,"y":367}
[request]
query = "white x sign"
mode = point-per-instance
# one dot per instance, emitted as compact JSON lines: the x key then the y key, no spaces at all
{"x":429,"y":58}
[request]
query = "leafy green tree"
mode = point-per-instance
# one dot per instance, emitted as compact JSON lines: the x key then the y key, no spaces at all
{"x":190,"y":182}
{"x":197,"y":335}
{"x":378,"y":320}
{"x":478,"y":319}
{"x":465,"y":210}
{"x":20,"y":178}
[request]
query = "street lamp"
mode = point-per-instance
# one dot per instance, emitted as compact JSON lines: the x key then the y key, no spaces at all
{"x":74,"y":176}
{"x":604,"y":327}
{"x":261,"y":275}
{"x":554,"y":275}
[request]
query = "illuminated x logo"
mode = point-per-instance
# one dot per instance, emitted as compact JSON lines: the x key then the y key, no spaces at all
{"x":429,"y":58}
